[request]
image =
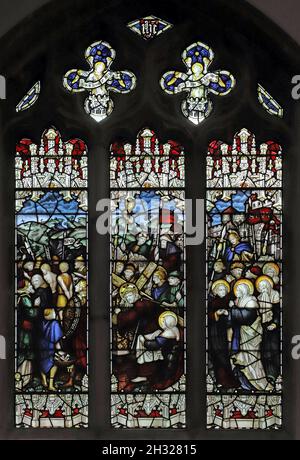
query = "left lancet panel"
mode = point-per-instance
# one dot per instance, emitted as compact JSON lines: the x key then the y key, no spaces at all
{"x":51,"y":298}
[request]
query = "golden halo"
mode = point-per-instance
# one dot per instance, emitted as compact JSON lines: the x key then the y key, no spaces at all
{"x":197,"y":68}
{"x":263,"y":278}
{"x":233,"y":232}
{"x":127,"y":287}
{"x":164,"y":314}
{"x":244,"y":281}
{"x":220,"y":283}
{"x":271,"y":265}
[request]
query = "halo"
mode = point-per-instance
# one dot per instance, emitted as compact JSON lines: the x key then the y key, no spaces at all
{"x":164,"y":314}
{"x":220,"y":283}
{"x":233,"y":232}
{"x":197,"y":67}
{"x":244,"y":281}
{"x":127,"y":287}
{"x":271,"y":265}
{"x":263,"y":278}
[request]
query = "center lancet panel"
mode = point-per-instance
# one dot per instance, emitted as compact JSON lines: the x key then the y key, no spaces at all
{"x":148,"y":375}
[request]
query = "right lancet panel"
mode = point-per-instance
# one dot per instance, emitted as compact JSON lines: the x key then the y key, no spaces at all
{"x":244,"y":290}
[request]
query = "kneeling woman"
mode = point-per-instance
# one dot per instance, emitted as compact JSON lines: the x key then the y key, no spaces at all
{"x":162,"y":345}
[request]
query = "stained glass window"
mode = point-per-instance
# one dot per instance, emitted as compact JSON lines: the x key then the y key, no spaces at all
{"x":51,"y":316}
{"x":244,"y":272}
{"x":178,"y":64}
{"x":99,"y":80}
{"x":30,"y":98}
{"x":268,"y":102}
{"x":198,"y":82}
{"x":147,"y":283}
{"x":149,"y":27}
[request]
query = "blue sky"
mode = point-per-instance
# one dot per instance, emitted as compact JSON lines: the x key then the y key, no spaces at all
{"x":50,"y":204}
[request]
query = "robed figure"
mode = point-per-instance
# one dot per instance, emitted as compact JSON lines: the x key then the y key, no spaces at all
{"x":247,"y":338}
{"x":218,"y":310}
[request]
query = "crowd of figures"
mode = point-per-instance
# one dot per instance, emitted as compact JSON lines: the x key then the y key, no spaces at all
{"x":147,"y":309}
{"x":244,"y":296}
{"x":244,"y":327}
{"x":51,"y":307}
{"x":244,"y":271}
{"x":52,"y":323}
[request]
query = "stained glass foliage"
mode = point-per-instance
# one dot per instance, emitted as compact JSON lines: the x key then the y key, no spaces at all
{"x":149,"y":27}
{"x":244,"y":288}
{"x":147,"y":284}
{"x":51,"y":314}
{"x":30,"y":98}
{"x":197,"y":82}
{"x":99,"y":80}
{"x":269,"y":103}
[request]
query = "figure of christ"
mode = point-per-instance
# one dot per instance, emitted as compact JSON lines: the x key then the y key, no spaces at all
{"x":139,"y":318}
